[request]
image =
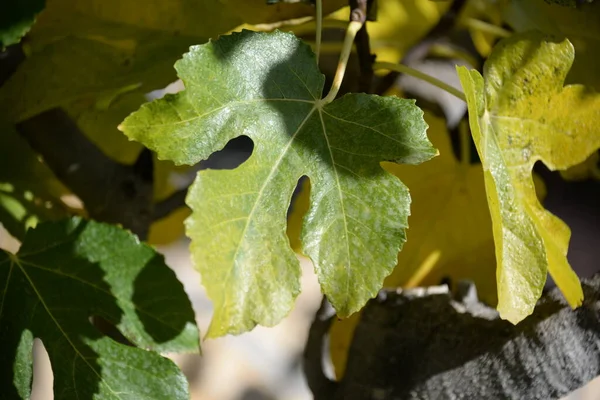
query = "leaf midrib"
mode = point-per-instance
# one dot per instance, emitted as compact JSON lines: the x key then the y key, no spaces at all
{"x":341,"y":197}
{"x":260,"y":193}
{"x":135,"y":307}
{"x":317,"y":106}
{"x":488,"y":117}
{"x":214,"y":110}
{"x":9,"y":259}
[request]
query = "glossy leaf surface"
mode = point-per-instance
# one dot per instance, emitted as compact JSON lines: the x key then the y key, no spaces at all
{"x":268,"y":87}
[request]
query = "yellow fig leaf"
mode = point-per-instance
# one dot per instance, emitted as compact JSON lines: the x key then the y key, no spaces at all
{"x":450,"y":227}
{"x":169,"y":229}
{"x":99,"y":124}
{"x":580,"y":25}
{"x":519,"y":114}
{"x":589,"y":169}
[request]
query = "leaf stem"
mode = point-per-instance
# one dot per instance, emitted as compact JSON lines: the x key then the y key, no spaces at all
{"x":486,"y":27}
{"x":465,"y":142}
{"x":351,"y":31}
{"x":404,"y":69}
{"x":319,"y":32}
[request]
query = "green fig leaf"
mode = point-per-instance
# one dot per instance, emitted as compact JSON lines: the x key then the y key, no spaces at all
{"x":69,"y":271}
{"x":268,"y":87}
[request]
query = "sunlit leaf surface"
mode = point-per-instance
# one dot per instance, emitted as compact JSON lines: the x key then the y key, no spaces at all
{"x":268,"y":87}
{"x":519,"y":114}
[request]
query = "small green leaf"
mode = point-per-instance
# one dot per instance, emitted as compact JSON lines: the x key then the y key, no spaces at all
{"x":16,"y":18}
{"x":268,"y":86}
{"x":520,"y":114}
{"x":69,"y":271}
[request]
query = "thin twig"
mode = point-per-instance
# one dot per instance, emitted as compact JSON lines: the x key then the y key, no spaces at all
{"x":359,"y":12}
{"x":319,"y":29}
{"x":170,"y":204}
{"x":486,"y":27}
{"x":404,"y":69}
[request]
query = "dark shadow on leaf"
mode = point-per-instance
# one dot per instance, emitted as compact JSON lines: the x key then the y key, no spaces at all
{"x":109,"y":329}
{"x":166,"y":318}
{"x":73,"y":272}
{"x":53,"y":301}
{"x":344,"y":146}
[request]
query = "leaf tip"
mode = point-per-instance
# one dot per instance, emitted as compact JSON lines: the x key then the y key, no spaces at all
{"x":218,"y":329}
{"x":576,"y":300}
{"x":514,"y":314}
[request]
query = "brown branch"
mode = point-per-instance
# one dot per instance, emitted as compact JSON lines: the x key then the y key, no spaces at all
{"x":321,"y":386}
{"x":360,"y":11}
{"x":111,"y":192}
{"x":423,"y":344}
{"x":170,"y":204}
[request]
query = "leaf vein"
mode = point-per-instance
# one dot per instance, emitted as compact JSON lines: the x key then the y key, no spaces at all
{"x":341,"y":197}
{"x":57,"y":272}
{"x":67,"y":338}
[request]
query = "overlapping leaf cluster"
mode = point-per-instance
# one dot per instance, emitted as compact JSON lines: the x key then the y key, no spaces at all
{"x":97,"y":59}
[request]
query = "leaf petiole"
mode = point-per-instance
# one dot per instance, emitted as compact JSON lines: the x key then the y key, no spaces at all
{"x":319,"y":31}
{"x":486,"y":27}
{"x":351,"y":31}
{"x":465,"y":143}
{"x":404,"y":69}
